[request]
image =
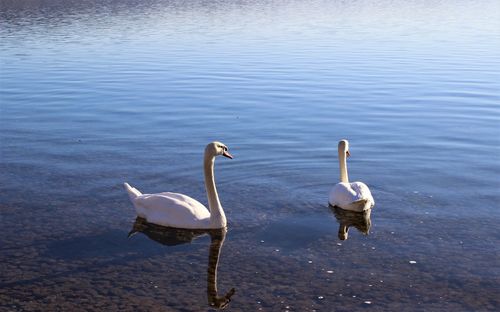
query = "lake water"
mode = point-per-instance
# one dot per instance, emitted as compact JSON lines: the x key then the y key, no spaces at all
{"x":95,"y":93}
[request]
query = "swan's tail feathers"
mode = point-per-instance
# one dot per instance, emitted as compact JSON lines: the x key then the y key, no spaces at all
{"x":133,"y":193}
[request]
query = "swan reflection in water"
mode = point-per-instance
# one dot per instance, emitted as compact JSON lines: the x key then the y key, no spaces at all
{"x":345,"y":218}
{"x":175,"y":236}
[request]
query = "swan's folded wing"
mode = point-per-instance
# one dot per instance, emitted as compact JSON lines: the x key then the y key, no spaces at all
{"x":192,"y":203}
{"x":363,"y":192}
{"x":342,"y":194}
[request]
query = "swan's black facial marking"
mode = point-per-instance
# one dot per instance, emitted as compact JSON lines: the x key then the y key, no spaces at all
{"x":225,"y":152}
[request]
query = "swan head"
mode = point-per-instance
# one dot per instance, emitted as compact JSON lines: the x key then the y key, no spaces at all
{"x":344,"y":147}
{"x":218,"y":149}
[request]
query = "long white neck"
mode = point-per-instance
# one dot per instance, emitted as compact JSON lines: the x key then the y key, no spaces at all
{"x":343,"y":166}
{"x":217,"y":216}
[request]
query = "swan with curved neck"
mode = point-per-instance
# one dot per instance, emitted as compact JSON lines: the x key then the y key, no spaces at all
{"x":182,"y":211}
{"x":355,"y":196}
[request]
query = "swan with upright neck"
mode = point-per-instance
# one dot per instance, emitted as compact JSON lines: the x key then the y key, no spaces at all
{"x":355,"y":196}
{"x":179,"y":210}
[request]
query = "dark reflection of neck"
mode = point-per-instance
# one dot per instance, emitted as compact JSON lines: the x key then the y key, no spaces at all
{"x":218,"y":237}
{"x":175,"y":236}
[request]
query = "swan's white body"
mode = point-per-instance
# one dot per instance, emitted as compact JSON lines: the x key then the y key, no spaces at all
{"x":355,"y":196}
{"x":171,"y":209}
{"x":181,"y":211}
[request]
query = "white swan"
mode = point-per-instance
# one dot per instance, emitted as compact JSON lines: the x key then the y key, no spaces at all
{"x":354,"y":196}
{"x":181,"y":211}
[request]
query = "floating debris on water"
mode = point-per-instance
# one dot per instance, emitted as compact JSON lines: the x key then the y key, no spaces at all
{"x":321,"y":297}
{"x":329,"y":272}
{"x":368,"y":302}
{"x":413,"y":261}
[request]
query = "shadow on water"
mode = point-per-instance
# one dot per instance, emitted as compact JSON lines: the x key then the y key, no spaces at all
{"x":176,"y":236}
{"x":346,"y":219}
{"x":300,"y":230}
{"x":108,"y":244}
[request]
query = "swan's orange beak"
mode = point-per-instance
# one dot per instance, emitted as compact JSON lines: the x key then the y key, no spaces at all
{"x":348,"y":154}
{"x":226,"y":154}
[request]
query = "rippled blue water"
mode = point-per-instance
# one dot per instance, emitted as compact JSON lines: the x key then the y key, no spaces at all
{"x":94,"y":93}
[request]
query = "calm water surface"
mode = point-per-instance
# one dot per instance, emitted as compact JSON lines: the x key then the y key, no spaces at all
{"x":94,"y":93}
